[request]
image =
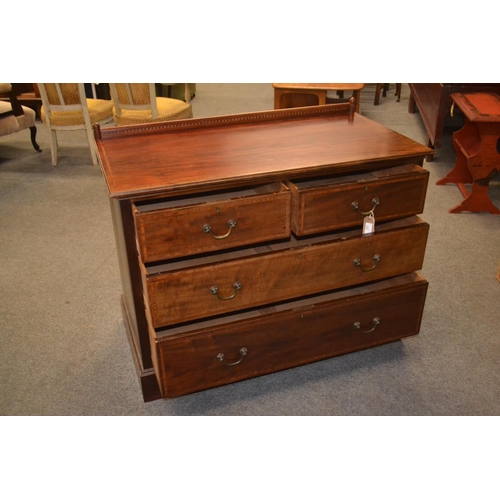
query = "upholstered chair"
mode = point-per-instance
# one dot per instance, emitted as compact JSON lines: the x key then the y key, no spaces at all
{"x":14,"y":117}
{"x":136,"y":103}
{"x":66,"y":107}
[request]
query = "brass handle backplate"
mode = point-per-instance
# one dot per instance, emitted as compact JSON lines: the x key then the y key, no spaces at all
{"x":243,"y":352}
{"x":208,"y":229}
{"x":375,"y":323}
{"x":215,"y":291}
{"x":355,"y":206}
{"x":376,"y":258}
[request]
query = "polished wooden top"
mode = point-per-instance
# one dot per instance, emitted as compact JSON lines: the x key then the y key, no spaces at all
{"x":188,"y":156}
{"x":478,"y":107}
{"x":320,"y":86}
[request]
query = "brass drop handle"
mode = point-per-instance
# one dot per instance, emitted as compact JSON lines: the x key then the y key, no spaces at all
{"x":215,"y":291}
{"x":375,"y":322}
{"x":355,"y":206}
{"x":243,"y":352}
{"x":208,"y":229}
{"x":376,"y":258}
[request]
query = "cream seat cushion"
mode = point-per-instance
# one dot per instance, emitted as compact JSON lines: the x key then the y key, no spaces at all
{"x":99,"y":109}
{"x":168,"y":109}
{"x":10,"y":124}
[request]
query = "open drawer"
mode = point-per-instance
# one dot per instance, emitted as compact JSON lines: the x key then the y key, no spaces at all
{"x":207,"y":286}
{"x":245,"y":345}
{"x":172,"y":228}
{"x":331,"y":203}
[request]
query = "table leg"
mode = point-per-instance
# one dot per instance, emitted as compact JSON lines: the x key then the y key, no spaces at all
{"x":429,"y":158}
{"x":477,"y":200}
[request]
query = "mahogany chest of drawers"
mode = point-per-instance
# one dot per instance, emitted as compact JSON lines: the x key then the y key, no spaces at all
{"x":240,"y":241}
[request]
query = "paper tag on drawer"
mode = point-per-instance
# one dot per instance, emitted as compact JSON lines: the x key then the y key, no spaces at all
{"x":369,"y":224}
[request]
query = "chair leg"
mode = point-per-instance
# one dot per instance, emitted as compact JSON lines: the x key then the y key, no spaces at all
{"x":378,"y":89}
{"x":357,"y":95}
{"x":33,"y":139}
{"x":187,"y":93}
{"x":93,"y":154}
{"x":53,"y":146}
{"x":384,"y":87}
{"x":91,"y":144}
{"x":398,"y":92}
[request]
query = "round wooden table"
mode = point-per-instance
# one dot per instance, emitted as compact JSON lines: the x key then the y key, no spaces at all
{"x":293,"y":95}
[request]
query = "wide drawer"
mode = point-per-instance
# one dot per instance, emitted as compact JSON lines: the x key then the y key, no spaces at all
{"x":290,"y":335}
{"x":265,"y":275}
{"x":338,"y":202}
{"x":174,"y":228}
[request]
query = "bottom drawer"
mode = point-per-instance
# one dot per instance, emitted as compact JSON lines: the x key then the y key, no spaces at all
{"x":227,"y":350}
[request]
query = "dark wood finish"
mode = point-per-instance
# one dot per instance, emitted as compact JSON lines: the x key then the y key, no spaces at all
{"x":238,"y":150}
{"x":327,"y":204}
{"x":176,"y":228}
{"x":300,"y":269}
{"x":166,"y":179}
{"x":297,"y":335}
{"x":434,"y":101}
{"x":476,"y":145}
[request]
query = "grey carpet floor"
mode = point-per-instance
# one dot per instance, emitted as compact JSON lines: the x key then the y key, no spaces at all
{"x":63,"y":343}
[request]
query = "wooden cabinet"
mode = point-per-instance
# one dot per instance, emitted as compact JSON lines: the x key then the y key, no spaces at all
{"x":434,"y":102}
{"x":240,"y":241}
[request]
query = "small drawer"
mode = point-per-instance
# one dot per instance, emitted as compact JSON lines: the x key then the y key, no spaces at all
{"x":249,"y":278}
{"x":180,"y":227}
{"x":327,"y":204}
{"x":294,"y":334}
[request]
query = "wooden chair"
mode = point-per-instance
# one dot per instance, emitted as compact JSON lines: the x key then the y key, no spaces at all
{"x":14,"y":117}
{"x":384,"y":87}
{"x":136,"y":103}
{"x":292,"y":95}
{"x":66,"y":107}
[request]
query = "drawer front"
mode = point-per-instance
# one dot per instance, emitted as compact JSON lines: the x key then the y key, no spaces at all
{"x":276,"y":341}
{"x":209,"y":290}
{"x":179,"y":231}
{"x":391,"y":194}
